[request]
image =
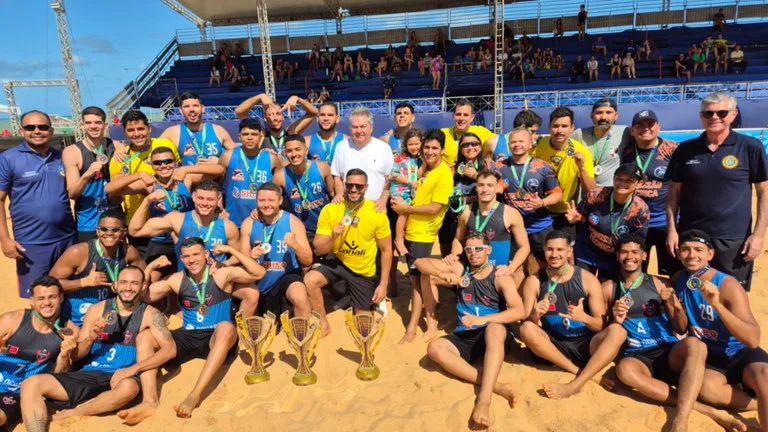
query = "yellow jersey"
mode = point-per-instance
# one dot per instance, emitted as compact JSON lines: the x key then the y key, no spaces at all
{"x":356,"y":247}
{"x":451,"y":151}
{"x":435,"y":187}
{"x":565,"y":168}
{"x":135,"y":162}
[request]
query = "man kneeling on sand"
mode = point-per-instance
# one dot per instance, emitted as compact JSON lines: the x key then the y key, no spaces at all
{"x":486,"y":303}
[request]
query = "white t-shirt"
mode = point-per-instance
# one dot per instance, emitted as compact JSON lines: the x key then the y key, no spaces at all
{"x":375,"y":159}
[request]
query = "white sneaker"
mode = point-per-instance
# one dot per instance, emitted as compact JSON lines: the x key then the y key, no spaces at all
{"x":382,"y":306}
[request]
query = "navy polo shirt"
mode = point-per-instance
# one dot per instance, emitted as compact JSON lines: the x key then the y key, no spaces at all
{"x":716,"y":194}
{"x":35,"y":185}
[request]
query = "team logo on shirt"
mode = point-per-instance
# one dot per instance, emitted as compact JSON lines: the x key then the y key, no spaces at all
{"x":42,"y":355}
{"x":189,"y":151}
{"x":556,"y":159}
{"x":490,"y":234}
{"x":61,"y":170}
{"x":620,"y":231}
{"x":730,"y":162}
{"x":532,"y":184}
{"x":9,"y":400}
{"x":594,"y":219}
{"x":660,"y":172}
{"x":237,"y":175}
{"x":468,"y":297}
{"x":127,"y":337}
{"x":13,"y":349}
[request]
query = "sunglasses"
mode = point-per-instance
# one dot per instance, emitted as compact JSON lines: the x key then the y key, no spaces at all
{"x":466,"y":144}
{"x":720,"y":113}
{"x":354,"y":186}
{"x":475,"y":249}
{"x":42,"y":127}
{"x":162,"y":162}
{"x":109,"y":230}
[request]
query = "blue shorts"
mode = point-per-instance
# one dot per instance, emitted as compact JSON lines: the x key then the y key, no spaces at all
{"x":38,"y":260}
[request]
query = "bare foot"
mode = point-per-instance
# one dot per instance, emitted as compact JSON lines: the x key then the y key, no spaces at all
{"x":728,"y":422}
{"x":430,"y":334}
{"x":506,"y":391}
{"x":400,"y":246}
{"x":560,"y":391}
{"x":408,"y":337}
{"x":137,"y":414}
{"x":607,"y":383}
{"x":481,"y":413}
{"x":64,"y":414}
{"x":184,"y":409}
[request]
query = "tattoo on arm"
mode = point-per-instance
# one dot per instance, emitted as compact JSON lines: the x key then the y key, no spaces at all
{"x":158,"y":322}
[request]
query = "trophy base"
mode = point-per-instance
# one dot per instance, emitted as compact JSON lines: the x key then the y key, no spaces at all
{"x":256,"y":378}
{"x":368,"y":374}
{"x":305,"y":380}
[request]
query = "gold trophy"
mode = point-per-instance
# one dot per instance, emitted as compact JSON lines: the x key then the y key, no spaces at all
{"x":303,"y":333}
{"x":366,"y":331}
{"x":257,"y":334}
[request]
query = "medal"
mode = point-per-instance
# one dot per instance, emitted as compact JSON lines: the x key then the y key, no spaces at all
{"x":551,"y":298}
{"x":644,"y":166}
{"x":202,"y":309}
{"x":254,"y":187}
{"x":112,"y":271}
{"x":303,"y":191}
{"x":615,"y":223}
{"x":480,"y":226}
{"x":627,"y":292}
{"x":102,"y":158}
{"x":598,"y":170}
{"x":111,"y":317}
{"x":66,"y":331}
{"x":598,"y":157}
{"x":266,"y":247}
{"x":347,"y":220}
{"x":125,"y":170}
{"x":460,"y":169}
{"x":628,"y":300}
{"x":305,"y":204}
{"x":570,"y":151}
{"x":56,"y":325}
{"x":355,"y":221}
{"x":520,"y":179}
{"x":253,"y":174}
{"x":198,"y":149}
{"x":693,"y":283}
{"x":519,"y":194}
{"x":465,"y":280}
{"x":552,"y":285}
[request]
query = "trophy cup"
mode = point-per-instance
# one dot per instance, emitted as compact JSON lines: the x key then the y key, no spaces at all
{"x":257,"y":334}
{"x":303,"y":333}
{"x":366,"y":331}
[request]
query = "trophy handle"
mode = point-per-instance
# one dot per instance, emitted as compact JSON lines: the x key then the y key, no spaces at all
{"x":376,"y":337}
{"x":241,"y":330}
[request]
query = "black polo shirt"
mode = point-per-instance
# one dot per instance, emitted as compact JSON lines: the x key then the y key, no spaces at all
{"x":716,"y":194}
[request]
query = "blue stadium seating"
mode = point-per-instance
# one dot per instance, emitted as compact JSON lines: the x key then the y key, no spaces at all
{"x":193,"y":75}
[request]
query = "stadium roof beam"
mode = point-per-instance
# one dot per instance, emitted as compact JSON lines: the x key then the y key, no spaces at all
{"x":186,"y":13}
{"x":266,"y":49}
{"x":65,"y":44}
{"x":498,"y":66}
{"x":14,"y":112}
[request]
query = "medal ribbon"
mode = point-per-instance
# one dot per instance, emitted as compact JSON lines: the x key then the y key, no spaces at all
{"x":266,"y":232}
{"x":304,"y":178}
{"x":208,"y":233}
{"x":198,"y":149}
{"x":634,"y":285}
{"x":111,"y":271}
{"x":251,"y":172}
{"x":615,"y":223}
{"x":520,"y":180}
{"x":278,"y":144}
{"x":55,"y":324}
{"x":480,"y":226}
{"x":552,"y":284}
{"x":200,"y":289}
{"x":599,"y":156}
{"x":644,"y":166}
{"x":700,"y":272}
{"x":172,"y":195}
{"x":332,"y":142}
{"x":468,"y":273}
{"x":127,"y":161}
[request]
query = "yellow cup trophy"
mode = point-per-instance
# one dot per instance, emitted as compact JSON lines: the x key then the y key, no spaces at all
{"x":257,"y":334}
{"x":303,"y":333}
{"x":366,"y":331}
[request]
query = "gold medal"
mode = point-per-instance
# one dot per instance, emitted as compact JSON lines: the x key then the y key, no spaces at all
{"x":102,"y":158}
{"x":65,"y":331}
{"x":628,"y":300}
{"x":347,"y":220}
{"x":111,"y":317}
{"x":693,"y":283}
{"x":202,"y":309}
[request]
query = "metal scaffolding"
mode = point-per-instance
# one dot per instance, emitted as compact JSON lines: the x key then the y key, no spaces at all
{"x":14,"y":114}
{"x":498,"y":67}
{"x":266,"y":48}
{"x":200,"y":23}
{"x":72,"y":85}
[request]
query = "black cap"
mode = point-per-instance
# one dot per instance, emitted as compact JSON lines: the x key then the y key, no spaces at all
{"x":605,"y":102}
{"x":631,"y":169}
{"x":644,"y":115}
{"x":694,"y":235}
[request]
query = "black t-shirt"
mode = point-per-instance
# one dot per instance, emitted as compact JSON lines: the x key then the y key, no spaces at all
{"x":582,"y":17}
{"x":579,"y":66}
{"x":716,"y":194}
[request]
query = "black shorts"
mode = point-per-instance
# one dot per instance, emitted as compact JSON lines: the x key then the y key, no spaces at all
{"x":361,"y":288}
{"x":471,"y":343}
{"x":157,"y":249}
{"x":559,"y":222}
{"x":416,"y":250}
{"x":728,"y":259}
{"x":601,"y":273}
{"x":392,"y":217}
{"x":448,"y":228}
{"x":10,"y":405}
{"x":81,"y":386}
{"x":275,"y":300}
{"x":575,"y":349}
{"x":656,"y":359}
{"x":733,"y":367}
{"x":536,"y":241}
{"x":191,"y":344}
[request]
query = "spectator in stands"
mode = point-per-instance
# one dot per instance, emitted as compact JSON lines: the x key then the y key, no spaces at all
{"x":538,"y":58}
{"x":413,"y":41}
{"x":708,"y":45}
{"x":312,"y":96}
{"x":289,"y":69}
{"x":389,"y":53}
{"x":238,"y":54}
{"x":468,"y":62}
{"x":324,"y":96}
{"x":458,"y":63}
{"x":700,"y":61}
{"x":363,"y":66}
{"x":338,"y":55}
{"x":246,"y":78}
{"x":628,"y":63}
{"x":348,"y":65}
{"x":232,"y":74}
{"x":408,"y":57}
{"x":578,"y":69}
{"x":547,"y":59}
{"x":582,"y":23}
{"x":718,"y":20}
{"x":278,"y":70}
{"x":592,"y":69}
{"x":681,"y":67}
{"x":437,"y":70}
{"x":630,"y":49}
{"x":738,"y":62}
{"x":486,"y":59}
{"x":215,"y":75}
{"x":525,"y":44}
{"x":440,"y":42}
{"x":338,"y":71}
{"x":314,"y":58}
{"x":600,"y":47}
{"x":559,"y":63}
{"x":721,"y":62}
{"x":325,"y":59}
{"x":472,"y":54}
{"x":424,"y":63}
{"x":397,"y":64}
{"x":381,"y":67}
{"x":557,"y":30}
{"x":691,"y":50}
{"x":644,"y":49}
{"x":389,"y":86}
{"x":721,"y":48}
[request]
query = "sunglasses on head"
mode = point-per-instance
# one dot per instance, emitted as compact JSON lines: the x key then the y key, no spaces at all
{"x":354,"y":186}
{"x":162,"y":162}
{"x":109,"y":229}
{"x":478,"y":248}
{"x":42,"y":127}
{"x":720,"y":113}
{"x":466,"y":144}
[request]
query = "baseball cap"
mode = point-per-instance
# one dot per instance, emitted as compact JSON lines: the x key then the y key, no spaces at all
{"x":644,"y":115}
{"x":605,"y":102}
{"x":694,"y":235}
{"x":630,"y":169}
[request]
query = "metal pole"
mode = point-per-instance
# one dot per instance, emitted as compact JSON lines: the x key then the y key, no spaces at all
{"x":266,"y":48}
{"x":13,"y":110}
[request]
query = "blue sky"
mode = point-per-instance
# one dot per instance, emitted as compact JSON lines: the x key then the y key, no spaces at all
{"x":113,"y":41}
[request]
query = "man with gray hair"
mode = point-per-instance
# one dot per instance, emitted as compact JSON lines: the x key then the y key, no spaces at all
{"x":711,"y":180}
{"x":361,"y":150}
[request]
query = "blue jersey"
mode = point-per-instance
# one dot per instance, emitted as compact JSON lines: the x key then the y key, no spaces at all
{"x":239,"y":194}
{"x":480,"y":298}
{"x":28,"y":353}
{"x":653,"y":189}
{"x":190,"y":228}
{"x":176,"y":199}
{"x":568,"y":293}
{"x":203,"y":143}
{"x":217,"y":304}
{"x":281,"y":259}
{"x":646,"y":322}
{"x":539,"y":180}
{"x":116,"y":346}
{"x":501,"y":153}
{"x":93,"y":201}
{"x":313,"y":186}
{"x":35,"y":186}
{"x":275,"y":144}
{"x":495,"y":230}
{"x":703,"y":320}
{"x":323,"y":150}
{"x":77,"y":303}
{"x":395,"y":142}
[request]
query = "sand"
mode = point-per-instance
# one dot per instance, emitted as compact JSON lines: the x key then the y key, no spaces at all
{"x":412,"y":393}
